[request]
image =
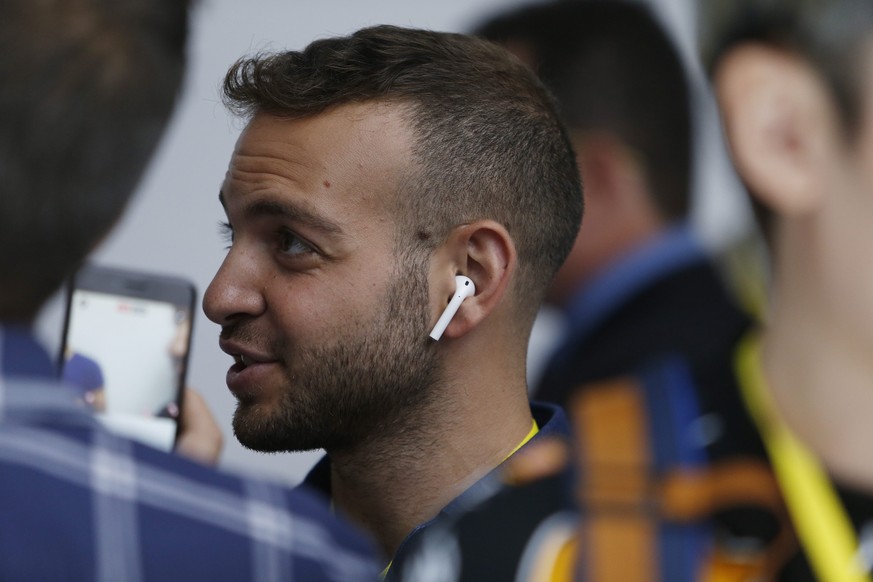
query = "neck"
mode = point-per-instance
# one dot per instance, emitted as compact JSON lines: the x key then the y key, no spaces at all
{"x":394,"y":483}
{"x":596,"y":254}
{"x":820,"y":376}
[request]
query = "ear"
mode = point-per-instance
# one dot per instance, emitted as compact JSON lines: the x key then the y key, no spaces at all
{"x":780,"y":123}
{"x":483,"y":251}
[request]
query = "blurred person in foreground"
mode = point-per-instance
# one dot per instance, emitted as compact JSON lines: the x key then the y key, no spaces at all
{"x":86,"y":89}
{"x":793,"y":81}
{"x":373,"y":171}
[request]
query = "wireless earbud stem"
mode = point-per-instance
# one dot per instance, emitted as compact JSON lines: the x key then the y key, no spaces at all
{"x":464,"y":288}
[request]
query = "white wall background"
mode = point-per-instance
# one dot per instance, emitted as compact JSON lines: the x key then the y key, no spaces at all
{"x":171,"y":225}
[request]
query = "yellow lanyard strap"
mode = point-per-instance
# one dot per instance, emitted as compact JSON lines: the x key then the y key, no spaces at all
{"x":534,"y":429}
{"x":531,"y":434}
{"x":816,"y":511}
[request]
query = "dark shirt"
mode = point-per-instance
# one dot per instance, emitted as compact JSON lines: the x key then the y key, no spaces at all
{"x":550,"y":419}
{"x":661,"y":299}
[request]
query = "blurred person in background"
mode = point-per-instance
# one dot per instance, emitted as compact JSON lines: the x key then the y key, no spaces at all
{"x":638,"y":283}
{"x":86,"y":90}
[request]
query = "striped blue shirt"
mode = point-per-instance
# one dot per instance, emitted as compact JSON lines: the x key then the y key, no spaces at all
{"x":78,"y":503}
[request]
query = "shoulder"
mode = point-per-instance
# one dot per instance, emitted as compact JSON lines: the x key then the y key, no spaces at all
{"x":109,"y":504}
{"x":550,"y":418}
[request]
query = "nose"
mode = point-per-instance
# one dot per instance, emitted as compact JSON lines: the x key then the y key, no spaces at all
{"x":234,"y":291}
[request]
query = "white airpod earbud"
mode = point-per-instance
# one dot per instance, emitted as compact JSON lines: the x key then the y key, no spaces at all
{"x":464,"y":288}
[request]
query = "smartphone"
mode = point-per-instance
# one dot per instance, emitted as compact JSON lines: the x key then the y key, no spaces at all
{"x":126,"y":340}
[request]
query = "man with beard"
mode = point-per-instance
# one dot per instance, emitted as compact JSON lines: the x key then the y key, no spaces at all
{"x":374,"y":170}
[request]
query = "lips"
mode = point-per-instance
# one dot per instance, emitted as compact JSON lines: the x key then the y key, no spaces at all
{"x":249,"y":373}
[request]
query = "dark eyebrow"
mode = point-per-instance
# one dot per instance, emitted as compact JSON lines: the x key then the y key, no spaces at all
{"x":290,"y":212}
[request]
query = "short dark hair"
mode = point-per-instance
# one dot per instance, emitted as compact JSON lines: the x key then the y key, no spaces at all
{"x":612,"y":67}
{"x":828,"y":34}
{"x":488,"y":142}
{"x":86,"y":88}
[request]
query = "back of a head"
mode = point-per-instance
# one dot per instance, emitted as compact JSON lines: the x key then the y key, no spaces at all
{"x":828,"y":34}
{"x":86,"y":89}
{"x":487,"y":140}
{"x":613,"y":69}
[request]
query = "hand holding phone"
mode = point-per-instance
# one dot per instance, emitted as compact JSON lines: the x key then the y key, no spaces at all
{"x":200,"y":438}
{"x":125,"y":349}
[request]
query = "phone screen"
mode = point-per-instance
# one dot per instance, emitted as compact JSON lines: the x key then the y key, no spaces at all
{"x":125,"y":355}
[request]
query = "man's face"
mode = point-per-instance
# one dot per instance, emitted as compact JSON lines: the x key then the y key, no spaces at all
{"x":329,"y":329}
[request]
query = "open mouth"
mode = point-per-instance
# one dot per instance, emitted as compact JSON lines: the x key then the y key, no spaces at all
{"x":241,"y":360}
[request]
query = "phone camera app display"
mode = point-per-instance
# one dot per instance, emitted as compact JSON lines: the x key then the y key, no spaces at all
{"x":124,"y":356}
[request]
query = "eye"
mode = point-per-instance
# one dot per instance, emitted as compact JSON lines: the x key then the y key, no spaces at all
{"x":292,"y":245}
{"x":225,"y":231}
